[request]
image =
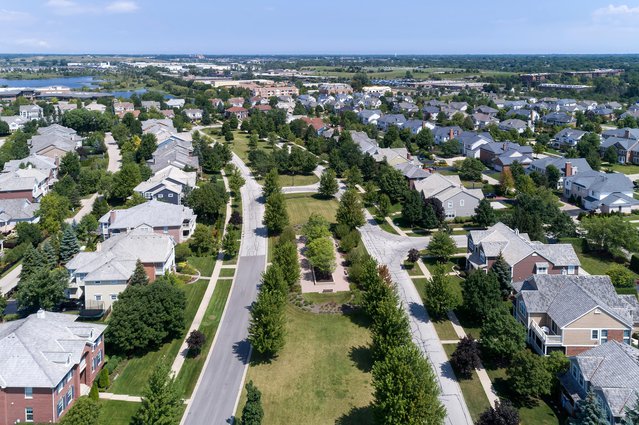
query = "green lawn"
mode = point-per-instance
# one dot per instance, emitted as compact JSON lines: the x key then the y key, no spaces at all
{"x":192,"y":367}
{"x":472,"y":390}
{"x":321,"y":376}
{"x":203,"y":264}
{"x":298,"y":180}
{"x":335,"y":297}
{"x":133,"y":377}
{"x":593,"y":263}
{"x":115,"y":412}
{"x":300,"y":206}
{"x":226,"y":272}
{"x":412,"y":269}
{"x":445,"y":330}
{"x":622,"y":168}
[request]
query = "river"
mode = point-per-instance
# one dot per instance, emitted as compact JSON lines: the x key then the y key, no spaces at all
{"x":71,"y":82}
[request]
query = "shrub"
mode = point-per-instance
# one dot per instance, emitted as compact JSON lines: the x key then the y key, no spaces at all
{"x":103,"y":379}
{"x":620,"y":276}
{"x":182,"y":252}
{"x":195,"y":342}
{"x":113,"y":363}
{"x":94,"y":394}
{"x":465,"y":358}
{"x":350,"y":241}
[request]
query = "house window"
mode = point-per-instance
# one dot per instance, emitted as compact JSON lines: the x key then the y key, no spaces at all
{"x":604,"y":335}
{"x":594,"y":334}
{"x":114,"y":297}
{"x":581,"y":380}
{"x":450,"y":205}
{"x":28,"y":414}
{"x":147,"y":195}
{"x":170,"y":195}
{"x":541,"y":268}
{"x":626,"y":336}
{"x":571,"y":269}
{"x":60,"y":407}
{"x":461,"y":202}
{"x":160,"y":196}
{"x":165,"y":230}
{"x":98,"y":297}
{"x":28,"y":392}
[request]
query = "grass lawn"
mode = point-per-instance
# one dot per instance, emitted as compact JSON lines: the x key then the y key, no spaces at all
{"x":192,"y":367}
{"x":300,"y":206}
{"x":226,"y":272}
{"x":115,"y":412}
{"x":412,"y":269}
{"x":622,"y":168}
{"x":458,"y":262}
{"x":321,"y":376}
{"x":336,"y":297}
{"x":593,"y":263}
{"x":445,"y":331}
{"x":298,"y":180}
{"x":239,"y":145}
{"x":474,"y":394}
{"x":203,"y":264}
{"x":133,"y":377}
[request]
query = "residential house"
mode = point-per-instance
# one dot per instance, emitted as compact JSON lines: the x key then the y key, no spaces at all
{"x":568,"y":137}
{"x":193,"y":114}
{"x":482,"y":121}
{"x":176,"y":103}
{"x":386,"y":121}
{"x":103,"y":274}
{"x":567,"y":167}
{"x":558,"y":118}
{"x":317,"y":123}
{"x":623,"y":146}
{"x":15,"y":122}
{"x":621,"y":133}
{"x":525,"y":257}
{"x":574,"y":313}
{"x":174,"y":151}
{"x":122,"y":108}
{"x":151,"y":104}
{"x":513,"y":124}
{"x":240,"y":112}
{"x":14,"y":211}
{"x":416,"y":126}
{"x":444,"y":134}
{"x":611,"y":371}
{"x":605,"y":192}
{"x":25,"y":183}
{"x":64,"y":106}
{"x":500,"y":155}
{"x":528,"y":115}
{"x":336,"y":88}
{"x":486,"y":110}
{"x":39,"y":162}
{"x":154,"y":216}
{"x":369,"y":116}
{"x":270,"y":91}
{"x":167,"y":185}
{"x":94,"y":106}
{"x":471,"y":142}
{"x":45,"y":359}
{"x":406,"y":107}
{"x":54,"y":141}
{"x":457,"y":200}
{"x":31,"y":112}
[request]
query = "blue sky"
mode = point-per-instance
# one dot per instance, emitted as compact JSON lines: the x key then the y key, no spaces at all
{"x":325,"y":27}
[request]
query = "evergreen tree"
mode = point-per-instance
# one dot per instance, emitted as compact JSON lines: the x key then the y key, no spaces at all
{"x":590,"y":412}
{"x":161,"y":404}
{"x":484,"y":214}
{"x":328,"y":185}
{"x":383,"y":205}
{"x":94,"y":393}
{"x":266,"y":330}
{"x":276,"y":215}
{"x":69,"y":246}
{"x":350,"y":211}
{"x":429,"y":218}
{"x":49,"y":255}
{"x":139,"y":276}
{"x":632,"y":414}
{"x":441,"y":246}
{"x":439,"y":296}
{"x":285,"y":256}
{"x":412,"y":208}
{"x":252,"y":413}
{"x":501,"y":268}
{"x":32,"y":261}
{"x":271,"y":184}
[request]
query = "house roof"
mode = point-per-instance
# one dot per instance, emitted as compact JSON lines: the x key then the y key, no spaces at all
{"x":36,"y":161}
{"x":513,"y":123}
{"x":602,"y":182}
{"x":39,"y":350}
{"x":579,"y":164}
{"x":17,"y":209}
{"x":153,"y":213}
{"x":444,"y":187}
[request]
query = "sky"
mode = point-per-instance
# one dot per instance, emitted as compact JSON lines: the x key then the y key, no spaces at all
{"x":324,"y":27}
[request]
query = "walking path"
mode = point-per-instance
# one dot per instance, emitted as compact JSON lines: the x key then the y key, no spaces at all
{"x":10,"y":280}
{"x":120,"y":397}
{"x":395,"y":227}
{"x":206,"y":299}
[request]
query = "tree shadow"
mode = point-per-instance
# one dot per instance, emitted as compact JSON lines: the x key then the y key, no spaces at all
{"x":241,"y":349}
{"x":356,"y":315}
{"x":362,"y":356}
{"x":418,"y":311}
{"x":357,"y":416}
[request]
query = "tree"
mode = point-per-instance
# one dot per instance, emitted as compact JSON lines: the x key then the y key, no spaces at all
{"x":425,"y":139}
{"x":84,"y":411}
{"x":484,"y":214}
{"x":316,"y":227}
{"x":100,"y":207}
{"x":435,"y":205}
{"x":471,"y":169}
{"x":413,"y":255}
{"x":392,"y":182}
{"x":148,"y":145}
{"x":502,"y":336}
{"x":412,"y":208}
{"x":353,"y":177}
{"x":480,"y":294}
{"x":286,"y":257}
{"x":236,"y":181}
{"x":53,"y":210}
{"x":4,"y":129}
{"x":161,"y":404}
{"x":207,"y":201}
{"x":103,"y":379}
{"x":405,"y":389}
{"x":501,"y":268}
{"x":125,"y":180}
{"x":390,"y":326}
{"x":610,"y":155}
{"x":195,"y":342}
{"x":590,"y":411}
{"x":450,"y":148}
{"x":610,"y":234}
{"x":328,"y":184}
{"x":350,"y":211}
{"x":230,"y":243}
{"x":252,"y":413}
{"x":620,"y":276}
{"x":441,"y":246}
{"x":439,"y":296}
{"x":32,"y":261}
{"x":139,"y":276}
{"x":504,"y":413}
{"x":94,"y":393}
{"x":465,"y":359}
{"x":506,"y":181}
{"x":235,"y":219}
{"x":28,"y":233}
{"x":273,"y":280}
{"x":266,"y":329}
{"x":275,"y":214}
{"x":527,"y":376}
{"x":49,"y":255}
{"x":321,"y":255}
{"x":632,"y":414}
{"x":69,"y":246}
{"x":383,"y":205}
{"x":552,"y":176}
{"x":203,"y":241}
{"x":70,"y":166}
{"x":271,"y":184}
{"x":44,"y":289}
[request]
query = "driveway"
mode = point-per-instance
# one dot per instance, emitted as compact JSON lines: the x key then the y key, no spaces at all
{"x":390,"y":250}
{"x":10,"y":281}
{"x":217,"y":391}
{"x":115,"y":158}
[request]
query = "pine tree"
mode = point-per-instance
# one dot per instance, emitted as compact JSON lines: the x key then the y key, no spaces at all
{"x":285,"y":256}
{"x":501,"y":268}
{"x":94,"y":394}
{"x":139,"y":276}
{"x":412,"y":208}
{"x":266,"y":330}
{"x":31,"y":262}
{"x":441,"y":246}
{"x":161,"y":403}
{"x":632,"y":414}
{"x":484,"y":214}
{"x":69,"y":246}
{"x":271,"y":184}
{"x":328,"y":185}
{"x":590,"y":412}
{"x":252,"y":413}
{"x":350,"y":211}
{"x":276,"y":215}
{"x":49,"y":255}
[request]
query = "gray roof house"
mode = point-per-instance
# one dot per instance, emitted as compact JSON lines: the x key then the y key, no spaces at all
{"x":573,"y":313}
{"x":14,"y":211}
{"x":369,"y":116}
{"x":513,"y":124}
{"x":558,"y":118}
{"x":167,"y":185}
{"x":606,"y":192}
{"x":174,"y":151}
{"x":471,"y":142}
{"x":457,"y":200}
{"x":611,"y":370}
{"x":39,"y":162}
{"x":386,"y":121}
{"x":623,"y":133}
{"x":568,"y":137}
{"x":567,"y":167}
{"x":444,"y":134}
{"x":31,"y":112}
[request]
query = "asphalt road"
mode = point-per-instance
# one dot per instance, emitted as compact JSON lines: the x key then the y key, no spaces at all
{"x":216,"y":393}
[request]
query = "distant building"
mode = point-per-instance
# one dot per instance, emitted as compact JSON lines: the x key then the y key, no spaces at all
{"x":270,"y":91}
{"x":567,"y":167}
{"x":335,"y":88}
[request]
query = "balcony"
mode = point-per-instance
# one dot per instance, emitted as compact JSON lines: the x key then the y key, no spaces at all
{"x":546,"y":335}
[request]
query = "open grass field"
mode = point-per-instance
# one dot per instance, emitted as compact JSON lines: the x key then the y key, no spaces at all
{"x":471,"y":388}
{"x":322,"y":376}
{"x":300,"y":206}
{"x":135,"y":373}
{"x":192,"y":367}
{"x":400,"y":72}
{"x":226,"y":272}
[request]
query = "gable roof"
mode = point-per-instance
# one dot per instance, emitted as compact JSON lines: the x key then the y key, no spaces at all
{"x":153,"y":213}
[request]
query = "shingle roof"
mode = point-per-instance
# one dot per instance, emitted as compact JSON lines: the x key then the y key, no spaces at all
{"x":153,"y":213}
{"x":602,"y":182}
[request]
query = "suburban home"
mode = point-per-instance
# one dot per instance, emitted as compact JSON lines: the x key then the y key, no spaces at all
{"x":525,"y":257}
{"x":513,"y":124}
{"x":178,"y":103}
{"x":14,"y":211}
{"x":482,"y":121}
{"x":558,"y":118}
{"x":337,"y":88}
{"x":46,"y":359}
{"x":174,"y":151}
{"x":621,"y":133}
{"x":611,"y":371}
{"x":240,"y":112}
{"x":31,"y":112}
{"x":103,"y":274}
{"x":25,"y":183}
{"x":471,"y":142}
{"x":317,"y":123}
{"x":16,"y":122}
{"x":483,"y":109}
{"x":444,"y":134}
{"x":369,"y":116}
{"x":622,"y":146}
{"x":151,"y":104}
{"x":416,"y":126}
{"x":568,"y":137}
{"x":567,"y":167}
{"x":406,"y":107}
{"x":39,"y":162}
{"x":457,"y":200}
{"x":121,"y":108}
{"x":154,"y":216}
{"x":572,"y":314}
{"x":193,"y":114}
{"x":64,"y":106}
{"x":386,"y":121}
{"x":501,"y":155}
{"x":277,"y":90}
{"x":527,"y":115}
{"x":54,"y":141}
{"x":94,"y":106}
{"x":167,"y":185}
{"x":607,"y":192}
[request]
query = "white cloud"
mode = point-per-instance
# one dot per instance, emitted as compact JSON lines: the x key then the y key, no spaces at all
{"x":60,"y":3}
{"x":12,"y":15}
{"x":122,"y":7}
{"x":622,"y":10}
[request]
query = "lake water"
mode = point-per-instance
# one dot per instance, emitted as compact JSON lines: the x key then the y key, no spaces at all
{"x":71,"y":82}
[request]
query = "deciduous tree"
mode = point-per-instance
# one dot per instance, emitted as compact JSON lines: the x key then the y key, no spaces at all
{"x":350,"y":211}
{"x":161,"y":404}
{"x":328,"y":184}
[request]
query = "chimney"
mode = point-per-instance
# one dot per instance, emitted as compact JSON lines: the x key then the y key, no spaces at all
{"x":568,"y":170}
{"x":626,"y":135}
{"x":40,"y":314}
{"x":451,"y":134}
{"x":111,"y":216}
